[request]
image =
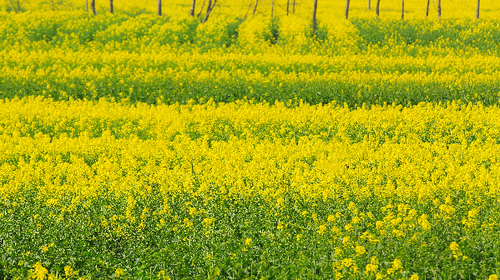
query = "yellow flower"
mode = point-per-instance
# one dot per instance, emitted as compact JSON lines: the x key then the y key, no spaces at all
{"x":454,"y":246}
{"x":69,"y":271}
{"x":424,"y":222}
{"x":38,"y":272}
{"x":46,"y":248}
{"x":322,"y":229}
{"x":347,"y":262}
{"x":248,"y":241}
{"x":414,"y":277}
{"x":352,"y":206}
{"x":397,"y":264}
{"x":338,"y":252}
{"x":187,"y":223}
{"x":280,"y":225}
{"x":208,"y":222}
{"x":162,"y":275}
{"x":371,"y":268}
{"x":119,"y":272}
{"x":493,"y":277}
{"x":346,"y":241}
{"x":455,"y":249}
{"x":360,"y":250}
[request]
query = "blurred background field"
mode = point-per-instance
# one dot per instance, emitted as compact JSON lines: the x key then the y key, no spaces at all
{"x":241,"y":8}
{"x":137,"y":56}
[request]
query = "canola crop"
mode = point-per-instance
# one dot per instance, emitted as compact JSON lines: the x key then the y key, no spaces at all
{"x":141,"y":147}
{"x":243,"y":189}
{"x":144,"y":58}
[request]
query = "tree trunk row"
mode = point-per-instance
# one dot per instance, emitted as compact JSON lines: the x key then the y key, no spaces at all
{"x":211,"y":5}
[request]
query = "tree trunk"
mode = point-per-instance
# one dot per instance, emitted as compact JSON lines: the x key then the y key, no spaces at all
{"x":208,"y":11}
{"x":272,"y":8}
{"x":347,"y":9}
{"x":287,"y":7}
{"x":201,"y":10}
{"x":255,"y":7}
{"x":14,"y":6}
{"x":293,"y":10}
{"x":18,"y":6}
{"x":111,"y":6}
{"x":477,"y":10}
{"x":159,"y":7}
{"x":315,"y":9}
{"x":92,"y":6}
{"x":427,"y":9}
{"x":377,"y":9}
{"x":86,"y":5}
{"x":369,"y":5}
{"x":193,"y":5}
{"x":402,"y":9}
{"x":439,"y":8}
{"x":210,"y":7}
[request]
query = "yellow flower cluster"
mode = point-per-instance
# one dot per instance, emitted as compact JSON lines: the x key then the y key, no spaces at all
{"x":416,"y":152}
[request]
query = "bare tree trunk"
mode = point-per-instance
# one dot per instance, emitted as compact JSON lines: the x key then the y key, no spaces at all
{"x":193,"y":5}
{"x":369,"y":5}
{"x":255,"y":7}
{"x":86,"y":5}
{"x":14,"y":6}
{"x":111,"y":6}
{"x":208,"y":11}
{"x":210,"y":7}
{"x":287,"y":7}
{"x":159,"y":7}
{"x":477,"y":10}
{"x":92,"y":6}
{"x":439,"y":8}
{"x":248,"y":10}
{"x":402,"y":9}
{"x":293,"y":10}
{"x":272,"y":8}
{"x":18,"y":6}
{"x":201,"y":10}
{"x":377,"y":9}
{"x":427,"y":9}
{"x":315,"y":9}
{"x":347,"y":9}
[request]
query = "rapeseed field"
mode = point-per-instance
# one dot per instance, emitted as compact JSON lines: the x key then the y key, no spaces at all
{"x":135,"y":146}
